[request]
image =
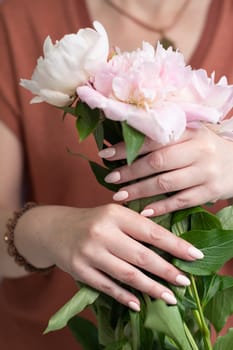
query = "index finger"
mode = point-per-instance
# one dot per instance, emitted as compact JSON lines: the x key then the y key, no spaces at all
{"x":145,"y":230}
{"x":118,"y":151}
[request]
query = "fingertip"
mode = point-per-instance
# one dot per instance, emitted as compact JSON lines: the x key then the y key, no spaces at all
{"x":134,"y":306}
{"x":195,"y":253}
{"x":120,"y":196}
{"x":147,"y":212}
{"x":169,"y":298}
{"x":107,"y":152}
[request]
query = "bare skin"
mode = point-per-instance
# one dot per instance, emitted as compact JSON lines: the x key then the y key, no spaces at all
{"x":155,"y":13}
{"x":196,"y":177}
{"x":102,"y":244}
{"x":93,"y":245}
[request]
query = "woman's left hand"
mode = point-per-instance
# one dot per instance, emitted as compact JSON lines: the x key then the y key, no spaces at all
{"x":197,"y":169}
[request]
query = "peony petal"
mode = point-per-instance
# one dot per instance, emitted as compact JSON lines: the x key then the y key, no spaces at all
{"x":48,"y":46}
{"x":55,"y":98}
{"x":162,"y":125}
{"x":196,"y":112}
{"x":113,"y":109}
{"x":30,"y":85}
{"x":67,"y":64}
{"x":37,"y":99}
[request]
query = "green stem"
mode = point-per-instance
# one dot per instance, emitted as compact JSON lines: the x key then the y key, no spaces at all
{"x":200,"y":316}
{"x":190,"y":337}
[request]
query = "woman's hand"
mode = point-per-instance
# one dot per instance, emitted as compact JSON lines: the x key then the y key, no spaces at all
{"x":198,"y":169}
{"x":101,"y":246}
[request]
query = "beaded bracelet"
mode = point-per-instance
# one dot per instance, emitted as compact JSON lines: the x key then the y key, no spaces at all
{"x":9,"y":239}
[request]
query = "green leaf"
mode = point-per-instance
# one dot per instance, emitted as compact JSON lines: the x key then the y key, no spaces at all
{"x":167,"y":319}
{"x":217,"y":247}
{"x":133,"y":140}
{"x":87,"y":120}
{"x":180,"y":227}
{"x":69,"y":110}
{"x":100,"y":172}
{"x":226,"y":217}
{"x":84,"y":297}
{"x":85,"y":332}
{"x":225,"y":342}
{"x":220,"y":306}
{"x":139,"y":204}
{"x":127,"y":346}
{"x":135,"y":330}
{"x":198,"y":218}
{"x":104,"y":309}
{"x":180,"y":215}
{"x":118,"y":345}
{"x":99,"y":135}
{"x":211,"y":285}
{"x":204,"y":220}
{"x":112,"y":131}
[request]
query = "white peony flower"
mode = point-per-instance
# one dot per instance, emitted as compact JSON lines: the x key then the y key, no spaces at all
{"x":67,"y":64}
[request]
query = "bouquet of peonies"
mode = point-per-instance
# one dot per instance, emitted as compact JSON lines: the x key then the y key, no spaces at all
{"x":129,"y":96}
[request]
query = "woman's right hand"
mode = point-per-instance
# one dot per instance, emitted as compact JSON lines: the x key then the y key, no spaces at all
{"x":103,"y":245}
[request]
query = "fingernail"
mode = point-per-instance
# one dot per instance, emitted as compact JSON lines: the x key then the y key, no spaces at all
{"x":183,"y":280}
{"x":120,"y":196}
{"x":147,"y":212}
{"x":134,"y":306}
{"x":169,"y":298}
{"x":107,"y":152}
{"x":113,"y":177}
{"x":195,"y":253}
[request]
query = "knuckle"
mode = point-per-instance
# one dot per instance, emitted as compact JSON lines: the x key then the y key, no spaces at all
{"x":107,"y":288}
{"x":215,"y":189}
{"x":209,"y":147}
{"x":118,"y":296}
{"x":142,"y":258}
{"x":95,"y":231}
{"x":164,"y":183}
{"x":154,"y":289}
{"x":212,"y":171}
{"x":154,"y":235}
{"x":156,"y":160}
{"x":169,"y":272}
{"x":76,"y":269}
{"x":181,"y":202}
{"x":110,"y":209}
{"x":129,"y":276}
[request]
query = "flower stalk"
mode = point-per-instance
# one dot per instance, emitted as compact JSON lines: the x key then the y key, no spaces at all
{"x":200,"y":316}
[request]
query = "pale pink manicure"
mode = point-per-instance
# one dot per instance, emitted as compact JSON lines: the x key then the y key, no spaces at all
{"x":134,"y":306}
{"x":183,"y":280}
{"x":147,"y":212}
{"x":169,"y":298}
{"x":113,"y":177}
{"x":120,"y":196}
{"x":107,"y":152}
{"x":195,"y":253}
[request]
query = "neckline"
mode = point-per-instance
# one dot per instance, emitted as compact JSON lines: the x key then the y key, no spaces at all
{"x":206,"y":38}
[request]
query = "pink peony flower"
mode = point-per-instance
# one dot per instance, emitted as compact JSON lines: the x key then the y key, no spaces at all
{"x":156,"y":93}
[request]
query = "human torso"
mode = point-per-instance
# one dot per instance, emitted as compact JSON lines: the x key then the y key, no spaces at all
{"x":56,"y":176}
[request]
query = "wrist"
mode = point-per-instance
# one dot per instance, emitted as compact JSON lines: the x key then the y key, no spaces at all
{"x":27,"y":244}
